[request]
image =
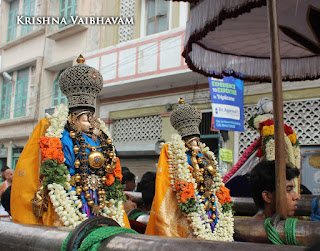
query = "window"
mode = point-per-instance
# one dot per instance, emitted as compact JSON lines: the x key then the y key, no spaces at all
{"x":6,"y":98}
{"x":21,"y":93}
{"x":16,"y":152}
{"x":67,"y":8}
{"x":28,"y":11}
{"x":12,"y":24}
{"x":157,"y":16}
{"x":58,"y":96}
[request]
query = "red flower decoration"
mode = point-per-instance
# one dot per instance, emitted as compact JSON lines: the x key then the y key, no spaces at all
{"x":267,"y":122}
{"x":288,"y":130}
{"x":259,"y":153}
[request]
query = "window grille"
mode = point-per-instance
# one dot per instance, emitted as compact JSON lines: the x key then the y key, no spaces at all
{"x":126,"y":11}
{"x":138,"y":129}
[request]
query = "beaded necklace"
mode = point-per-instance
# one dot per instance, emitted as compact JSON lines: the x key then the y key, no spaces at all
{"x":91,"y":169}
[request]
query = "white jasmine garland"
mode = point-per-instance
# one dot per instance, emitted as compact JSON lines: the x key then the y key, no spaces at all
{"x":297,"y":156}
{"x":114,"y":210}
{"x":270,"y":150}
{"x":104,"y":128}
{"x":261,"y":118}
{"x":65,"y":206}
{"x":199,"y":222}
{"x":289,"y":150}
{"x":57,"y":121}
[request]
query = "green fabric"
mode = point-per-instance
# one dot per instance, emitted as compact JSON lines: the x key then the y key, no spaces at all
{"x":92,"y":241}
{"x":64,"y":245}
{"x":136,"y":215}
{"x":289,"y":231}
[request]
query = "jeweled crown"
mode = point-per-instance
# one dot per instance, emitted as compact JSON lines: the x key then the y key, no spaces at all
{"x":81,"y":84}
{"x":186,"y":119}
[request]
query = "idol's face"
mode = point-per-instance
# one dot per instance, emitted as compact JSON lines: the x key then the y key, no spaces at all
{"x":84,"y":123}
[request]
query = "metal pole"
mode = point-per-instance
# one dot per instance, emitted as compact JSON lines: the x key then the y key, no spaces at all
{"x":277,"y":108}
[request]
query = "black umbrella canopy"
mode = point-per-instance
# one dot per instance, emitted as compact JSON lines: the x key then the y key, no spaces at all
{"x":231,"y":37}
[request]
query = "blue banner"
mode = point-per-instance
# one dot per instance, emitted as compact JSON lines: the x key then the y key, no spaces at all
{"x":227,"y":103}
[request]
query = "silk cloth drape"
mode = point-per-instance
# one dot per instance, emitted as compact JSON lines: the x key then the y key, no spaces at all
{"x":166,"y":219}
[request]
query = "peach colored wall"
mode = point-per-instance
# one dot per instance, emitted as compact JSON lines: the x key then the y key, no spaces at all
{"x":23,"y":51}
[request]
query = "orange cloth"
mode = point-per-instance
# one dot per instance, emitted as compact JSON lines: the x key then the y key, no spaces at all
{"x":26,"y":183}
{"x":166,"y":219}
{"x":26,"y":179}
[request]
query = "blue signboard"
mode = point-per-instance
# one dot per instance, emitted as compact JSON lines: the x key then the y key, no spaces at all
{"x":227,"y":103}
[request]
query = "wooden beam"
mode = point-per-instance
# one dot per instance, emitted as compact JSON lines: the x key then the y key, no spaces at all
{"x":277,"y":109}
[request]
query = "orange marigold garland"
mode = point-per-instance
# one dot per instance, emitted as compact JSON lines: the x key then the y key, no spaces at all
{"x":185,"y":189}
{"x":223,"y":195}
{"x":52,"y":159}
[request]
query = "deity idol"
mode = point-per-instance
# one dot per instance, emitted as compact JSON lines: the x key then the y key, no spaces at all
{"x":190,"y":201}
{"x":80,"y":175}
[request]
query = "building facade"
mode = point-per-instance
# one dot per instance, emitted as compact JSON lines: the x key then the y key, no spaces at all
{"x":144,"y":76}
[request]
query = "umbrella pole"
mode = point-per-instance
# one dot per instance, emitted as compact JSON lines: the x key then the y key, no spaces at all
{"x":277,"y":108}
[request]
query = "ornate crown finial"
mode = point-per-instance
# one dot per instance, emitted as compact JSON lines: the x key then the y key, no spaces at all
{"x":81,"y":84}
{"x":186,"y":119}
{"x":80,"y":59}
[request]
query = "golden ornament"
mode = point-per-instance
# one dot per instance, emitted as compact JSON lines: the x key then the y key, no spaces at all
{"x":109,"y":168}
{"x":100,"y":199}
{"x":207,"y":205}
{"x":109,"y":141}
{"x":90,"y":203}
{"x":85,"y":188}
{"x":100,"y":192}
{"x":76,"y":149}
{"x":77,"y":163}
{"x":72,"y":134}
{"x":78,"y":190}
{"x":211,"y":169}
{"x":111,"y":155}
{"x":101,"y":206}
{"x":77,"y":178}
{"x":87,"y":196}
{"x":104,"y":179}
{"x":96,"y":159}
{"x":80,"y":59}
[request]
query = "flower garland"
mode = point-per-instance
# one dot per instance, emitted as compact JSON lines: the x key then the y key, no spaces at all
{"x":57,"y":177}
{"x":265,"y":125}
{"x":185,"y":186}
